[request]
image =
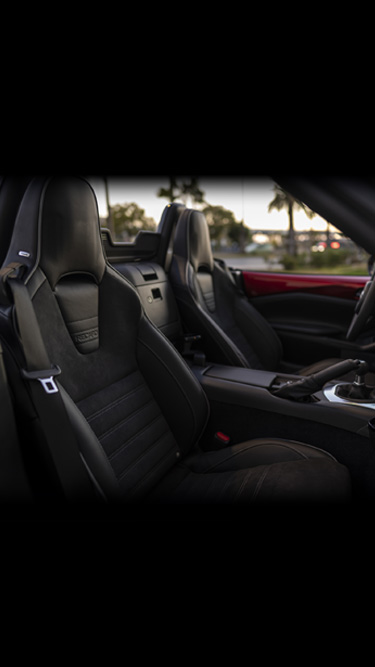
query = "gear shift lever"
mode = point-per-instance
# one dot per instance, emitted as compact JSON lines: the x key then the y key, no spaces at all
{"x":308,"y":384}
{"x":357,"y":389}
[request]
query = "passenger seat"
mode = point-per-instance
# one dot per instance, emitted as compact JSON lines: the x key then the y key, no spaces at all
{"x":210,"y":303}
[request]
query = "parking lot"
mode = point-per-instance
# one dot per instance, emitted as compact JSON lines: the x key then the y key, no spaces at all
{"x":250,"y":263}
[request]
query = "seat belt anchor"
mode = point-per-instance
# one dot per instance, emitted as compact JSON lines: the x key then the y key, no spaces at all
{"x":45,"y":378}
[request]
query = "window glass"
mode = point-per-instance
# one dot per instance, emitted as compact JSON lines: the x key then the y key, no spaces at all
{"x":254,"y":225}
{"x":265,"y":229}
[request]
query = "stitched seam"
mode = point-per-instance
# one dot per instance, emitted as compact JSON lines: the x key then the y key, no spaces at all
{"x":134,"y":437}
{"x":242,"y":487}
{"x":235,"y":454}
{"x":231,"y":456}
{"x":126,"y":419}
{"x":103,"y":389}
{"x":260,"y":483}
{"x":142,"y":455}
{"x":153,"y":470}
{"x":114,"y":403}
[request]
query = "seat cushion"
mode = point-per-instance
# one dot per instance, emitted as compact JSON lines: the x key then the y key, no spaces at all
{"x":257,"y":471}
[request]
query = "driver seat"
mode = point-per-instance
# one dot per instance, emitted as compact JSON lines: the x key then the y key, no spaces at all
{"x":233,"y":331}
{"x":136,"y":410}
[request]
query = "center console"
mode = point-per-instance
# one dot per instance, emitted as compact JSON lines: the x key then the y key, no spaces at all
{"x":261,"y":390}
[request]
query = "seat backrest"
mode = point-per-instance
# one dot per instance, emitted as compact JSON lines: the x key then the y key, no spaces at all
{"x":167,"y":229}
{"x":211,"y":304}
{"x":12,"y":189}
{"x":135,"y":407}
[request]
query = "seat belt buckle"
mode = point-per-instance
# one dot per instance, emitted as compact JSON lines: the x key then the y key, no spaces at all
{"x":45,"y":378}
{"x":188,"y":342}
{"x":222,"y":438}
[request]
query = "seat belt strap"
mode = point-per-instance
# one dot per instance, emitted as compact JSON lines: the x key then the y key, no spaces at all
{"x":70,"y":467}
{"x":14,"y":484}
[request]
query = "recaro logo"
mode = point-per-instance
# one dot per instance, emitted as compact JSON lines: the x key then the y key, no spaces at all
{"x":86,"y":336}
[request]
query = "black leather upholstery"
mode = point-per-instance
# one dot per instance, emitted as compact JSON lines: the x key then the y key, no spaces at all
{"x":12,"y":189}
{"x":233,"y":331}
{"x":167,"y":230}
{"x":136,"y":408}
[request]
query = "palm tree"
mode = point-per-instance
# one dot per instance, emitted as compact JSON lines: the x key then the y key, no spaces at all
{"x":182,"y":189}
{"x":284,"y":200}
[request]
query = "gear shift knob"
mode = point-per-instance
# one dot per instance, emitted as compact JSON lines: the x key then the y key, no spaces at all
{"x":360,"y":373}
{"x":357,"y":389}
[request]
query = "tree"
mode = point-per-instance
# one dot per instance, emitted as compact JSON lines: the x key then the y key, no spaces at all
{"x":218,"y":219}
{"x":222,"y":224}
{"x":240,"y":234}
{"x":129,"y":219}
{"x":182,"y":189}
{"x":284,"y":200}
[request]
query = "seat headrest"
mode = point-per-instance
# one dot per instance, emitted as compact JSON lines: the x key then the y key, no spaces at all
{"x":12,"y":189}
{"x":192,"y":240}
{"x":58,"y":229}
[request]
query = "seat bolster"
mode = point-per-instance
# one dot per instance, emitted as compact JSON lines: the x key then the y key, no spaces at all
{"x":263,"y":471}
{"x":92,"y":452}
{"x":274,"y":469}
{"x":260,"y":336}
{"x":175,"y":388}
{"x":259,"y":451}
{"x":247,"y":328}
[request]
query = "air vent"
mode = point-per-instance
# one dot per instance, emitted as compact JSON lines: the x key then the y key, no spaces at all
{"x":150,"y":276}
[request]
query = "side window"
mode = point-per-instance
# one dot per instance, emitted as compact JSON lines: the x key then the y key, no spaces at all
{"x":254,"y":224}
{"x":269,"y":230}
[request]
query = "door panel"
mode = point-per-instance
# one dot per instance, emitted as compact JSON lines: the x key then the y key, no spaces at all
{"x":310,"y":313}
{"x":310,"y":326}
{"x":306,"y":313}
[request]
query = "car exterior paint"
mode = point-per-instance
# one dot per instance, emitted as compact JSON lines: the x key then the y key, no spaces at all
{"x":263,"y":284}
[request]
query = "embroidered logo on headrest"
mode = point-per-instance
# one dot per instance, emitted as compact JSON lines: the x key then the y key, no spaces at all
{"x":85,"y":336}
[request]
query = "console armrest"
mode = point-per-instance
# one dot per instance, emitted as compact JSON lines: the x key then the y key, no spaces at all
{"x":242,"y":375}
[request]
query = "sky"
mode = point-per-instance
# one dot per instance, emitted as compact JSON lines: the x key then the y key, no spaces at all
{"x":247,"y":197}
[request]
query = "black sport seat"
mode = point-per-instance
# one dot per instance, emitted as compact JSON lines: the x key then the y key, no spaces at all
{"x":167,"y":229}
{"x":210,"y":303}
{"x":12,"y":189}
{"x":136,"y":410}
